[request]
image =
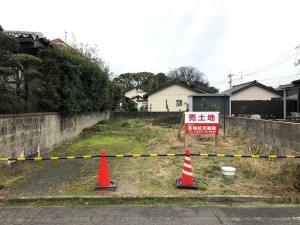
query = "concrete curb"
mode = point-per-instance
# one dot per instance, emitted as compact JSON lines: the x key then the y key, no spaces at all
{"x":208,"y":198}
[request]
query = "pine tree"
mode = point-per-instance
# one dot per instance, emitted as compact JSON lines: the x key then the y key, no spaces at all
{"x":10,"y":100}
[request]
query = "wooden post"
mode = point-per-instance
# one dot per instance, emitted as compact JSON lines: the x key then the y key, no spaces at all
{"x":216,"y":140}
{"x":185,"y":140}
{"x":181,"y":123}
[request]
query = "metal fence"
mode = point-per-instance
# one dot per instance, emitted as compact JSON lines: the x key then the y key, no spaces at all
{"x":266,"y":108}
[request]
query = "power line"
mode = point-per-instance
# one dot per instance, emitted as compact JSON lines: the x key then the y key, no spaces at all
{"x":278,"y":61}
{"x":284,"y":59}
{"x":218,"y":82}
{"x":282,"y":77}
{"x":286,"y":80}
{"x":275,"y":67}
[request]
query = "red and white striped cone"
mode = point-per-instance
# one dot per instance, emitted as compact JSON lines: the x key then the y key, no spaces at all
{"x":187,"y":181}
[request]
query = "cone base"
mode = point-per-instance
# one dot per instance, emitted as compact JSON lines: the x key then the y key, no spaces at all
{"x":112,"y":187}
{"x":180,"y":186}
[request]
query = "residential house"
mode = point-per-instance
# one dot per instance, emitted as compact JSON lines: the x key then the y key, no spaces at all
{"x":60,"y":42}
{"x":254,"y":98}
{"x":290,"y":92}
{"x":30,"y":42}
{"x":171,"y":97}
{"x":136,"y":94}
{"x":252,"y":91}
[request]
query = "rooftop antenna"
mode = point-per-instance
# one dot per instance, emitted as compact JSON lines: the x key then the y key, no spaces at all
{"x":297,"y":61}
{"x":66,"y":36}
{"x":241,"y":74}
{"x":230,"y":79}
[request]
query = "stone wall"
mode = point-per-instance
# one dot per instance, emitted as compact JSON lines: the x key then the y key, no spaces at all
{"x":27,"y":134}
{"x":281,"y":137}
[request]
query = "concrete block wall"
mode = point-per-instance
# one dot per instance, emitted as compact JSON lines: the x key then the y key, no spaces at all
{"x":26,"y":134}
{"x":281,"y":137}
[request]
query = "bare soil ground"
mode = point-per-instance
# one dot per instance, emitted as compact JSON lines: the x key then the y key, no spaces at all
{"x":155,"y":175}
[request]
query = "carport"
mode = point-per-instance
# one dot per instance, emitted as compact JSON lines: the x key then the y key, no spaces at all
{"x":292,"y":92}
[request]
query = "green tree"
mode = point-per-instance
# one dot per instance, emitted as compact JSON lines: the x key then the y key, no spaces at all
{"x":143,"y":80}
{"x":27,"y":71}
{"x":10,"y":102}
{"x":160,"y":80}
{"x":115,"y":94}
{"x":132,"y":106}
{"x":126,"y":80}
{"x":92,"y":53}
{"x":49,"y":91}
{"x":73,"y":83}
{"x":191,"y":76}
{"x":9,"y":46}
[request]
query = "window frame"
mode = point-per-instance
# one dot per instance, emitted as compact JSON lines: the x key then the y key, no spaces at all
{"x":177,"y":103}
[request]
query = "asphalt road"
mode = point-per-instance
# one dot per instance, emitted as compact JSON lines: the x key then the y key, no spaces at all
{"x":150,"y":215}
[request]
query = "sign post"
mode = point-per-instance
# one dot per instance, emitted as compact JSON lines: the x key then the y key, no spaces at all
{"x":180,"y":126}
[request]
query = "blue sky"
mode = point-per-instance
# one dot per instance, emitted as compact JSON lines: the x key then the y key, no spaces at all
{"x":255,"y":39}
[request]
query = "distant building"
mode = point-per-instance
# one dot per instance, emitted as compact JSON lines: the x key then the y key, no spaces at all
{"x":290,"y":92}
{"x":60,"y":42}
{"x":210,"y":102}
{"x":137,"y":95}
{"x":30,"y":42}
{"x":252,"y":91}
{"x":171,"y":97}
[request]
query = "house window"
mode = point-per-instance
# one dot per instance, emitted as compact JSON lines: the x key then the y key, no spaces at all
{"x":178,"y":103}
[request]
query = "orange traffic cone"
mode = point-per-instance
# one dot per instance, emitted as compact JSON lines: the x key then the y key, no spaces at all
{"x":104,"y":183}
{"x":187,"y":181}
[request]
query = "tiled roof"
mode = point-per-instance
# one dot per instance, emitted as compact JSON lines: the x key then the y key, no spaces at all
{"x":25,"y":34}
{"x":178,"y":83}
{"x":57,"y":40}
{"x":28,"y":36}
{"x":129,"y":89}
{"x":244,"y":86}
{"x":294,"y":83}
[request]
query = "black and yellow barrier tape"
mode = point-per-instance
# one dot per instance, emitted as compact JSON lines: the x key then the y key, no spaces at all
{"x":153,"y":155}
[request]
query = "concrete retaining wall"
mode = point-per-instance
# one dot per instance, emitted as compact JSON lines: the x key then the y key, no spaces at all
{"x":26,"y":134}
{"x":281,"y":137}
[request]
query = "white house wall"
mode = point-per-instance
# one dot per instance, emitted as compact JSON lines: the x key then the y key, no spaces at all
{"x":157,"y":101}
{"x":139,"y":103}
{"x":134,"y":92}
{"x":254,"y":93}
